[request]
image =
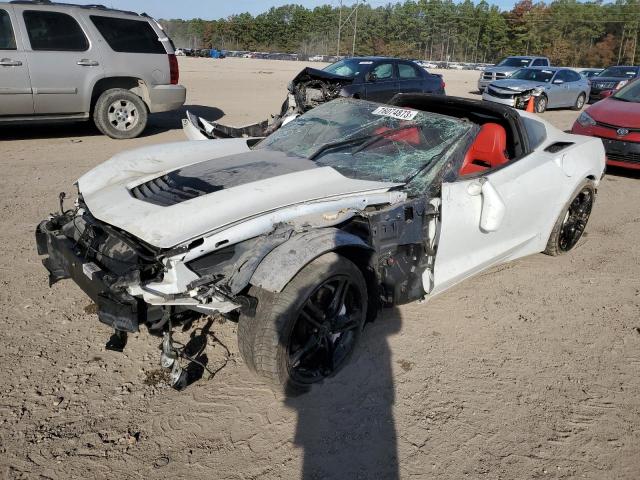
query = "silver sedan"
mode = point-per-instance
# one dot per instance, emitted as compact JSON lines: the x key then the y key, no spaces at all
{"x":552,"y":87}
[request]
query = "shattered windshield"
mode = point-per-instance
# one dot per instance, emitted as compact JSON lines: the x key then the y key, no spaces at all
{"x":369,"y":141}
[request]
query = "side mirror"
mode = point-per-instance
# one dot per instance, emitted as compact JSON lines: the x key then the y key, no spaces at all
{"x":370,"y":77}
{"x":558,"y":81}
{"x":493,"y":207}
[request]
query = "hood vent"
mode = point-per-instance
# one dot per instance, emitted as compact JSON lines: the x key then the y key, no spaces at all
{"x":218,"y":174}
{"x":167,"y":190}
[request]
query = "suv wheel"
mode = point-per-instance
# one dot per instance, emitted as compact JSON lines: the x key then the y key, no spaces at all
{"x":120,"y":114}
{"x":309,"y":330}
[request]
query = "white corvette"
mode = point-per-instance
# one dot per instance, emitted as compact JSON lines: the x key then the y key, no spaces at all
{"x":302,"y":236}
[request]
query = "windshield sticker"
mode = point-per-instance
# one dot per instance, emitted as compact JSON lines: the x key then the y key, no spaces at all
{"x":365,"y":63}
{"x":400,"y":113}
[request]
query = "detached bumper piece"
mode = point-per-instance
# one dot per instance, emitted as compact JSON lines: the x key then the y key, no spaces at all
{"x":66,"y":259}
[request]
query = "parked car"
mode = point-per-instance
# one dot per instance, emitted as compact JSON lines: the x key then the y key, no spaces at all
{"x":380,"y":78}
{"x":552,"y":87}
{"x":616,"y":121}
{"x":63,"y":62}
{"x":306,"y":234}
{"x":371,"y":78}
{"x":506,"y":67}
{"x":612,"y":78}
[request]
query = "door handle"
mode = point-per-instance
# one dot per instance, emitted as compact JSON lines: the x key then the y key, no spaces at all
{"x":85,"y":62}
{"x":7,"y":62}
{"x":493,"y":207}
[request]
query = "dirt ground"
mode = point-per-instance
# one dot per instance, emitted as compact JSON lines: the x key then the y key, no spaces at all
{"x":527,"y":371}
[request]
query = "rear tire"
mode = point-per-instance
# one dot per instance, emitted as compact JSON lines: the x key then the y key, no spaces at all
{"x":309,"y":330}
{"x":572,"y":221}
{"x":120,"y":114}
{"x":579,"y":102}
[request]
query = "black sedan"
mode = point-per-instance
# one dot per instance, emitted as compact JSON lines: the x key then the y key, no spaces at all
{"x":612,"y":78}
{"x":380,"y":78}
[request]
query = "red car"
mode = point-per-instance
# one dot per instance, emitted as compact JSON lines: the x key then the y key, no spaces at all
{"x":616,"y":120}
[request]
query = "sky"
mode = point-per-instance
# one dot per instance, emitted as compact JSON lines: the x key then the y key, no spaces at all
{"x":214,"y":9}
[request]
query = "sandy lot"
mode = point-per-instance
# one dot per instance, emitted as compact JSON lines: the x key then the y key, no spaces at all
{"x":528,"y":371}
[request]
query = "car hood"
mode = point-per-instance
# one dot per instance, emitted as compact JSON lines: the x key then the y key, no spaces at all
{"x":616,"y":112}
{"x":169,"y":194}
{"x":517,"y":85}
{"x":315,"y":74}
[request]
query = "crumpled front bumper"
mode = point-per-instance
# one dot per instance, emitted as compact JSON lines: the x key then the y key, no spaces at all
{"x":511,"y":102}
{"x":116,"y":307}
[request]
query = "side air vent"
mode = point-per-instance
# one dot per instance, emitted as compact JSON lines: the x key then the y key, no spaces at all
{"x":168,"y":190}
{"x":557,"y":147}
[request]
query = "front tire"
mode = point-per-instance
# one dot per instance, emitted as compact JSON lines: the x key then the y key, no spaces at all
{"x":572,"y":221}
{"x":580,"y":101}
{"x":541,"y":103}
{"x":120,"y":114}
{"x":309,"y":330}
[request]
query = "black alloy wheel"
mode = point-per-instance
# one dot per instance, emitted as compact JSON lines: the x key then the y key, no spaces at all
{"x":575,"y":220}
{"x":309,"y":330}
{"x":326,"y":330}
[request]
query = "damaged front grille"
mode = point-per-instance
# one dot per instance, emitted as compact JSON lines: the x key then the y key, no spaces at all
{"x":493,"y":92}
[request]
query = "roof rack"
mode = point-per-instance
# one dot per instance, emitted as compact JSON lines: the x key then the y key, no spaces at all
{"x":57,"y":4}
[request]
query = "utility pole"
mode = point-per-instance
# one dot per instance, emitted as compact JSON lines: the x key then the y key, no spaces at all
{"x":339,"y":30}
{"x":355,"y":29}
{"x":621,"y":42}
{"x":354,"y":24}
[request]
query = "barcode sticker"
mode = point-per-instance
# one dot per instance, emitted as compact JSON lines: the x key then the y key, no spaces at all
{"x":400,"y":113}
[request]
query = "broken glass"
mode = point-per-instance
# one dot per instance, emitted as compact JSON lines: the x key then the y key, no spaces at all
{"x":368,"y":141}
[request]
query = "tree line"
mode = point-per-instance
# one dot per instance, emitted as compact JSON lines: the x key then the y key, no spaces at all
{"x":568,"y":32}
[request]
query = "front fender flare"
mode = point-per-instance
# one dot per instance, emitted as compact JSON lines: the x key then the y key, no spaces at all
{"x":285,"y":261}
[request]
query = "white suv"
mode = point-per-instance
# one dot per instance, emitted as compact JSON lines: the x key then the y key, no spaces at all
{"x":74,"y":62}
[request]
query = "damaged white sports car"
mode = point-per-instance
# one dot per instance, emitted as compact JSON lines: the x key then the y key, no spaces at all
{"x":303,"y":235}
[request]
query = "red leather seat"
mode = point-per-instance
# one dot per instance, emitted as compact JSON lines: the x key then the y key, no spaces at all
{"x":488,"y":150}
{"x":408,"y":135}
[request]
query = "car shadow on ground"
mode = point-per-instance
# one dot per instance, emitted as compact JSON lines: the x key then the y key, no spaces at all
{"x":623,"y":172}
{"x":345,"y":426}
{"x":158,"y":123}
